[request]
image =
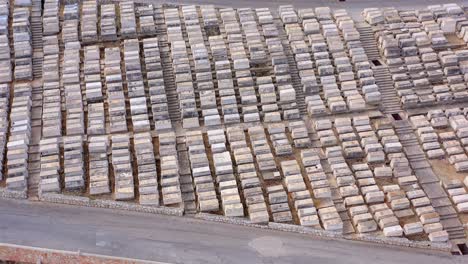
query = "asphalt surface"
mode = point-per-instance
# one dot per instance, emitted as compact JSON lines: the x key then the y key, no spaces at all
{"x":183,"y":239}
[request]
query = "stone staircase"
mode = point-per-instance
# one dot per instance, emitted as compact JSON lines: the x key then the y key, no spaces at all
{"x":368,"y":41}
{"x":168,"y":72}
{"x":34,"y":178}
{"x":34,"y":156}
{"x":390,"y":99}
{"x":428,"y":180}
{"x":296,"y":79}
{"x":186,"y":182}
{"x":36,"y":30}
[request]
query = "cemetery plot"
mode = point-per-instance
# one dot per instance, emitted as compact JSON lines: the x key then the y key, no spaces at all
{"x":254,"y":114}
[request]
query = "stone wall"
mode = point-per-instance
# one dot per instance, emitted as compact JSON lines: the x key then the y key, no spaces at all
{"x":8,"y":194}
{"x":400,"y":242}
{"x":84,"y":201}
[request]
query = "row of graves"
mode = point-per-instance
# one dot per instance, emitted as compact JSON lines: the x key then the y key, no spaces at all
{"x":115,"y":96}
{"x":337,"y":77}
{"x":201,"y":172}
{"x":145,"y":20}
{"x":19,"y":137}
{"x":224,"y":171}
{"x":426,"y":68}
{"x":376,"y":184}
{"x":135,"y":86}
{"x":5,"y":76}
{"x":181,"y":68}
{"x":16,"y":65}
{"x":154,"y":77}
{"x":96,"y":124}
{"x":206,"y":105}
{"x":61,"y":78}
{"x":125,"y":156}
{"x":170,"y":170}
{"x":111,"y":22}
{"x":109,"y":76}
{"x":230,"y":59}
{"x":277,"y":95}
{"x":282,"y":71}
{"x":443,"y":136}
{"x":21,"y":43}
{"x":265,"y":51}
{"x":5,"y":50}
{"x":101,"y":87}
{"x":50,"y":167}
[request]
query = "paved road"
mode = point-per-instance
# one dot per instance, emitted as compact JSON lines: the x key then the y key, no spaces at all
{"x":182,"y":239}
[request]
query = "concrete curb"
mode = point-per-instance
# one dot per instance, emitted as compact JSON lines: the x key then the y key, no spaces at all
{"x":400,"y":242}
{"x":7,"y":194}
{"x":85,"y":201}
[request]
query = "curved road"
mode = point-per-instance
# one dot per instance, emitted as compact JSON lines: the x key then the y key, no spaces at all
{"x":182,"y":239}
